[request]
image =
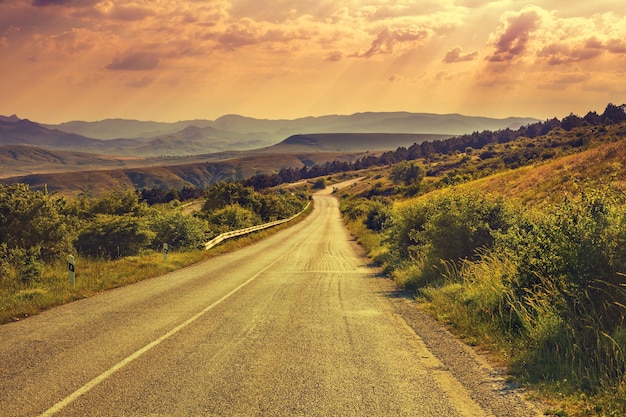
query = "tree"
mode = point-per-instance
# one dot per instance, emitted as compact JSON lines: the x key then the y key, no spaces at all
{"x":225,"y":194}
{"x":407,"y":173}
{"x":178,"y":230}
{"x":31,"y":219}
{"x":233,"y":217}
{"x":112,"y":236}
{"x":319,"y":184}
{"x":614,"y":114}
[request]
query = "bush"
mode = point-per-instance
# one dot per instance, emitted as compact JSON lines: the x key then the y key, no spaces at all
{"x":377,"y":215}
{"x":30,"y":219}
{"x":113,"y":236}
{"x":446,"y":228}
{"x":233,"y":217}
{"x":178,"y":230}
{"x":549,"y":292}
{"x":319,"y":184}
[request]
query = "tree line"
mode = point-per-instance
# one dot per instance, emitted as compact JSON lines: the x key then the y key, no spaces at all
{"x":613,"y":114}
{"x":37,"y":228}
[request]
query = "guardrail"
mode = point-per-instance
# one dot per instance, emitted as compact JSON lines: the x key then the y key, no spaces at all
{"x":234,"y":233}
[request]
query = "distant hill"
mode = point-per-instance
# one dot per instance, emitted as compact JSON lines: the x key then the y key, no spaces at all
{"x":232,"y":132}
{"x":198,"y":174}
{"x":123,"y":128}
{"x":189,"y":141}
{"x":279,"y":129}
{"x":90,"y":157}
{"x":337,"y":142}
{"x":22,"y":159}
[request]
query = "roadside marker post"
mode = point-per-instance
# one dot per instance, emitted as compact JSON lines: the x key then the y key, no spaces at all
{"x":165,"y":250}
{"x":70,"y":269}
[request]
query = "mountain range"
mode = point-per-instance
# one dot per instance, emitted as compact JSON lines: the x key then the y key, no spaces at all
{"x":275,"y":130}
{"x":200,"y":152}
{"x":227,"y":133}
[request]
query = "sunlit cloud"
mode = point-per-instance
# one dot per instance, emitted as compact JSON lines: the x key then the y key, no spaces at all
{"x":512,"y":38}
{"x":376,"y":52}
{"x":389,"y":39}
{"x":456,"y":55}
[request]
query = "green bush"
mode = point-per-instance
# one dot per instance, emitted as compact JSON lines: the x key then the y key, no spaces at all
{"x":178,"y":230}
{"x":549,"y":292}
{"x":233,"y":217}
{"x":445,"y":228}
{"x":112,"y":236}
{"x":319,"y":184}
{"x":31,"y":219}
{"x":377,"y":215}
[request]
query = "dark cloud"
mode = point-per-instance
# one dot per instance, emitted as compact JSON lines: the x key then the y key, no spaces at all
{"x":512,"y":42}
{"x":456,"y":55}
{"x":72,"y":3}
{"x":616,"y":46}
{"x":137,"y":61}
{"x":44,"y":3}
{"x":387,"y":40}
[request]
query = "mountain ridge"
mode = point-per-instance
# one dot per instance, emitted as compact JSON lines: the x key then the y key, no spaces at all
{"x":277,"y":129}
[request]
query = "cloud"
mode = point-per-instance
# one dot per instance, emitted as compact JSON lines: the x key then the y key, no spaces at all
{"x":456,"y":55}
{"x":557,"y":54}
{"x":616,"y":46}
{"x":125,"y":12}
{"x":246,"y":32}
{"x":513,"y":36}
{"x":334,"y":56}
{"x":44,"y":3}
{"x":69,"y":3}
{"x":388,"y":39}
{"x":560,"y":82}
{"x":136,"y":61}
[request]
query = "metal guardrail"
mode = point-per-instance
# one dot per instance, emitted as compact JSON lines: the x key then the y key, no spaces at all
{"x":233,"y":233}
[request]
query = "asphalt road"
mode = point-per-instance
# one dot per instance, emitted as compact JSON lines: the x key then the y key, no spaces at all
{"x":296,"y":325}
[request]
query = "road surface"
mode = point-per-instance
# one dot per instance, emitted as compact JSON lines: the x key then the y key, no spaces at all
{"x":296,"y":325}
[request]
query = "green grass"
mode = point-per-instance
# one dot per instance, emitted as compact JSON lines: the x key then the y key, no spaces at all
{"x":92,"y":276}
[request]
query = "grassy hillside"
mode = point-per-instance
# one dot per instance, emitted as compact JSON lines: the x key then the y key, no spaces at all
{"x":520,"y":248}
{"x":338,"y":142}
{"x":95,"y":182}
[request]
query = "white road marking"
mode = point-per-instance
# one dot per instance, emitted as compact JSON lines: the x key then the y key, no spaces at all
{"x":97,"y":380}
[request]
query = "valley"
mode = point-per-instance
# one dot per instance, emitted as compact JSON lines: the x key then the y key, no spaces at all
{"x":92,"y":157}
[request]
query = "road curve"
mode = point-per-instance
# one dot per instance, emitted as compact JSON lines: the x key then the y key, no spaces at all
{"x":295,"y":325}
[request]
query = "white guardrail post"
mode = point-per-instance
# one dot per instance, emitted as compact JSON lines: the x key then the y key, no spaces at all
{"x":233,"y":233}
{"x":70,"y":269}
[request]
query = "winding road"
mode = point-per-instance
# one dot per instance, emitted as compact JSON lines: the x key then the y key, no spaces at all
{"x":296,"y":325}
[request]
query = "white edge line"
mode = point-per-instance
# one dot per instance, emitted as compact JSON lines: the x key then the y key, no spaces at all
{"x":97,"y":380}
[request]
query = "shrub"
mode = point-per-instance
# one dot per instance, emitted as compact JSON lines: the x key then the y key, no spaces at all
{"x":113,"y":236}
{"x":319,"y":184}
{"x":178,"y":230}
{"x":447,"y":227}
{"x":233,"y":217}
{"x":377,"y":215}
{"x":30,"y":219}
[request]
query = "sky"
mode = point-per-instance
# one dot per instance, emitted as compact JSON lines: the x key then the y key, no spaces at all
{"x":170,"y":60}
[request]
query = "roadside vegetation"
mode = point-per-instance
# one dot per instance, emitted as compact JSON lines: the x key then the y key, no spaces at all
{"x":516,"y":239}
{"x":520,"y":248}
{"x":116,"y":239}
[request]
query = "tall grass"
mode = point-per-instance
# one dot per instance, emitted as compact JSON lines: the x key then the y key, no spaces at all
{"x":543,"y":289}
{"x":546,"y":340}
{"x":92,"y":275}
